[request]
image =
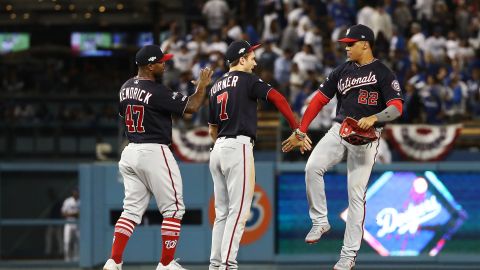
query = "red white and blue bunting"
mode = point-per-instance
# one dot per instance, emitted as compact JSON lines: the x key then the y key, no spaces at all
{"x":423,"y":142}
{"x":192,"y":145}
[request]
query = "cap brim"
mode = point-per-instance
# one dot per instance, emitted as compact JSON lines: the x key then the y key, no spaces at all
{"x":346,"y":40}
{"x":166,"y":57}
{"x":254,"y":47}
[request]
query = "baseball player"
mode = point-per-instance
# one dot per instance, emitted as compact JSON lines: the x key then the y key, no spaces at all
{"x":71,"y":232}
{"x":147,"y":164}
{"x":367,"y":91}
{"x":233,"y":126}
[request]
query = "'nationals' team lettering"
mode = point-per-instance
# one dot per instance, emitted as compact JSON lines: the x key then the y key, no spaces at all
{"x":349,"y":83}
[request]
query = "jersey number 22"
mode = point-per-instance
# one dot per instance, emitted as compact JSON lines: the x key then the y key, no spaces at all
{"x":222,"y":99}
{"x":130,"y":122}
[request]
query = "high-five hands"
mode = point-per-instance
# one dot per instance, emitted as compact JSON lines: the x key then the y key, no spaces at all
{"x":294,"y":141}
{"x":204,"y":78}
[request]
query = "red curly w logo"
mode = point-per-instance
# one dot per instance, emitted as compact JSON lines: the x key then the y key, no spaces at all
{"x":170,"y":244}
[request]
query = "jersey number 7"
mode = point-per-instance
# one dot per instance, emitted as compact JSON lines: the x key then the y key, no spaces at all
{"x":130,"y":122}
{"x":223,"y":100}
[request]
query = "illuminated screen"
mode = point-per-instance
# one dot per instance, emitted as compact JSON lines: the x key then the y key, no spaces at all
{"x":408,"y":214}
{"x":13,"y":42}
{"x":144,"y":38}
{"x":91,"y":44}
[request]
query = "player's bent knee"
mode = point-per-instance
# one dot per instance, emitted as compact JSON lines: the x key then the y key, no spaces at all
{"x":312,"y":169}
{"x":132,"y":216}
{"x":178,"y":214}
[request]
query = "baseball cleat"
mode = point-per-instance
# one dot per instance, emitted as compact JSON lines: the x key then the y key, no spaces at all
{"x":344,"y":264}
{"x":173,"y":265}
{"x":316,"y":233}
{"x":111,"y":265}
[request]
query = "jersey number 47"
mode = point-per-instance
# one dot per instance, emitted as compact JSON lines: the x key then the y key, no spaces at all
{"x":130,"y":122}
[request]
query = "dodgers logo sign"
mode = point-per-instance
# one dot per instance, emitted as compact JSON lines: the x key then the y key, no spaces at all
{"x":409,"y":214}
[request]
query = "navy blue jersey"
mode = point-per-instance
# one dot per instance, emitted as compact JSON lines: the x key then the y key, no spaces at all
{"x":233,"y":103}
{"x":362,"y":90}
{"x":147,"y":107}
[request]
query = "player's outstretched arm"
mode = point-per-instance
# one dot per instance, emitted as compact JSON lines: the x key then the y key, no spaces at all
{"x":282,"y":106}
{"x":195,"y":101}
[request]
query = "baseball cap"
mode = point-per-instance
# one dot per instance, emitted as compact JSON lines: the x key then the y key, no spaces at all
{"x":358,"y":32}
{"x":239,"y":48}
{"x":151,"y":54}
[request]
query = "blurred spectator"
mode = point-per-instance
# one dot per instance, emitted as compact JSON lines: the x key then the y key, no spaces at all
{"x":282,"y":68}
{"x":217,"y":45}
{"x":296,"y":82}
{"x":173,"y":44}
{"x":431,"y":95}
{"x":442,"y":17}
{"x":266,"y":58}
{"x":417,"y":38}
{"x":382,"y":22}
{"x":456,"y":99}
{"x":271,"y":26}
{"x":402,"y":17}
{"x":435,"y":47}
{"x":473,"y":86}
{"x":365,"y":14}
{"x":306,"y":60}
{"x":290,"y":37}
{"x":183,"y":60}
{"x":462,"y":19}
{"x":71,"y":233}
{"x":216,"y":12}
{"x":233,"y":31}
{"x":413,"y":106}
{"x":313,"y":38}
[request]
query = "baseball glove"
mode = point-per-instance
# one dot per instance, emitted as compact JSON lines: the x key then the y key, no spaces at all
{"x":353,"y":134}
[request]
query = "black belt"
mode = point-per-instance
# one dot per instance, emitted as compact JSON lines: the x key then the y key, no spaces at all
{"x":252,"y":140}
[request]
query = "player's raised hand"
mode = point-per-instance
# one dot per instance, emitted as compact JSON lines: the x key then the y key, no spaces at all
{"x":306,"y":145}
{"x":290,"y":143}
{"x":204,"y":78}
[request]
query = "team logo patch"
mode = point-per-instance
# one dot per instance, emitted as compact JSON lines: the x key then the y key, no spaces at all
{"x":151,"y":59}
{"x":348,"y":31}
{"x":396,"y":85}
{"x":170,"y":244}
{"x":259,"y":219}
{"x":241,"y":51}
{"x":175,"y":95}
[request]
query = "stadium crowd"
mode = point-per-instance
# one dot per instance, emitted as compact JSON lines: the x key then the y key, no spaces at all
{"x":433,"y":46}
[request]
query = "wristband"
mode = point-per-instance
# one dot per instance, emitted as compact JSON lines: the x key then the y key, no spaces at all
{"x":299,"y":135}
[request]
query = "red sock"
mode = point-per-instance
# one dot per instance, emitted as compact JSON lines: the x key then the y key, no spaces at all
{"x":170,"y":235}
{"x":123,"y":231}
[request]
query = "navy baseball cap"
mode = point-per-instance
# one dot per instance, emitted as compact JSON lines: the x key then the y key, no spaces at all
{"x":151,"y":54}
{"x":358,"y":32}
{"x":239,"y":48}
